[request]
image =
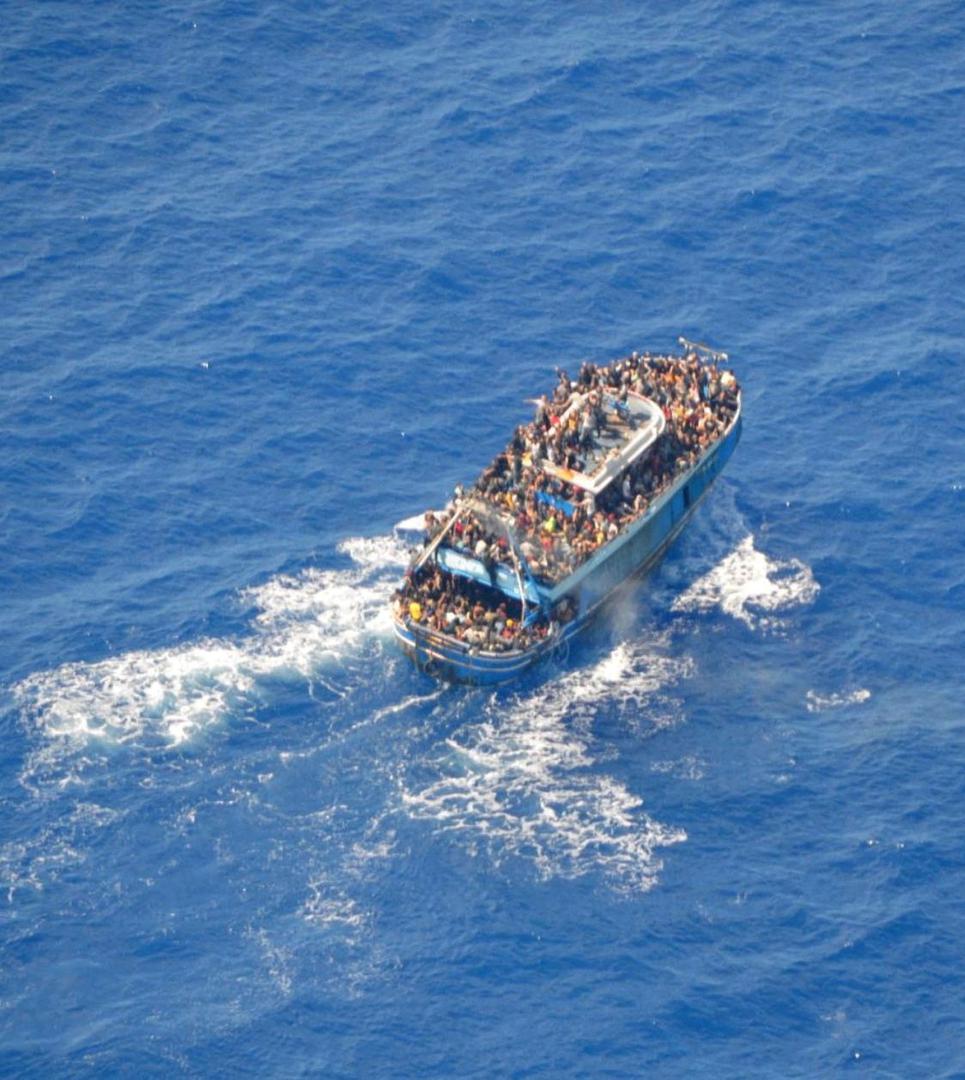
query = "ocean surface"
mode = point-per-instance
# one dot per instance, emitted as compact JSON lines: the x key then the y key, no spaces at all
{"x":274,"y":277}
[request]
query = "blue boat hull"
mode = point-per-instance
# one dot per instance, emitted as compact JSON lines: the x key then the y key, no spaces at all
{"x":632,"y":554}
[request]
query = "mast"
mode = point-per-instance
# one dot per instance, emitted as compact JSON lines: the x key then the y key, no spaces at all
{"x":439,"y":537}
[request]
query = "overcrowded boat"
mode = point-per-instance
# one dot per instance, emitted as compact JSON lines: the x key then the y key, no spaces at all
{"x":588,"y":494}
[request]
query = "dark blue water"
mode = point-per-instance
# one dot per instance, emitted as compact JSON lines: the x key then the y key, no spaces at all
{"x":273,"y":278}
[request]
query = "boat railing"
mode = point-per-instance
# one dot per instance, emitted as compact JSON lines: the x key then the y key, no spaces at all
{"x":444,"y":640}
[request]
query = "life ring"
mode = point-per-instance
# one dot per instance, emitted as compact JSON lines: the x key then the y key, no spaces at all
{"x":431,"y":667}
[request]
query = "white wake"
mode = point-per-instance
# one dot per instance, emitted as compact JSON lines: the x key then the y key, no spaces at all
{"x":525,"y":781}
{"x":750,"y":587}
{"x":302,"y":622}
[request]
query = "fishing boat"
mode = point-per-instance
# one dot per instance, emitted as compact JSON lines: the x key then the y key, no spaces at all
{"x":588,"y":495}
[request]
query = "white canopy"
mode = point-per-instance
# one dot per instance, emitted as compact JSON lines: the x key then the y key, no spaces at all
{"x":621,"y":442}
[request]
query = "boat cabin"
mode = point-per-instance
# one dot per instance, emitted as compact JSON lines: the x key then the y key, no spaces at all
{"x":632,"y":426}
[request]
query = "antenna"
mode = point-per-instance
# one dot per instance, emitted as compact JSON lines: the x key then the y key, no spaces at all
{"x":715,"y":353}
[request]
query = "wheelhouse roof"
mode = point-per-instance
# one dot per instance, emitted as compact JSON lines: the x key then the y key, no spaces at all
{"x":631,"y":429}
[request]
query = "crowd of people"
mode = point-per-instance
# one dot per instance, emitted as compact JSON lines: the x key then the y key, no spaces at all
{"x":468,"y":612}
{"x":556,"y":525}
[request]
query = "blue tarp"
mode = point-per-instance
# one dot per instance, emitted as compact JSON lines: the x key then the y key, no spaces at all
{"x":554,"y":500}
{"x":504,"y":577}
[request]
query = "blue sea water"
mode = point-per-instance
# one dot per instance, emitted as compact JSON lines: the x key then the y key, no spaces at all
{"x":274,"y":277}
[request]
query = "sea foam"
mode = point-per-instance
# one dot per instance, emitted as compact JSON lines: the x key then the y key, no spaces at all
{"x":820,"y":702}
